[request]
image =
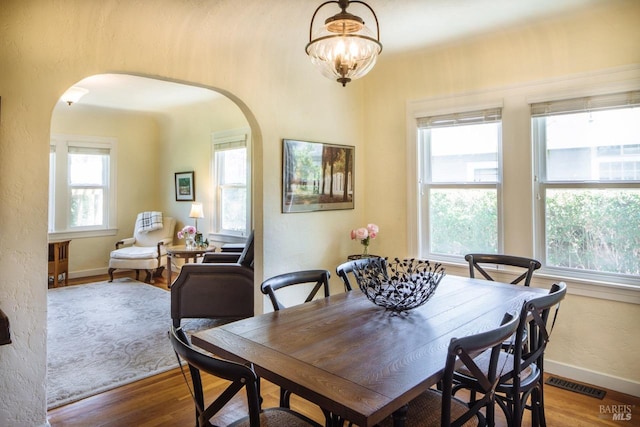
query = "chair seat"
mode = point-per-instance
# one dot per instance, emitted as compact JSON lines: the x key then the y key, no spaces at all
{"x":425,"y":410}
{"x":505,"y":365}
{"x":278,"y":417}
{"x":135,"y":252}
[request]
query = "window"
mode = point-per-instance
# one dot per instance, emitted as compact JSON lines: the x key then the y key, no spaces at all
{"x":588,"y":185}
{"x":459,"y":185}
{"x":231,"y":183}
{"x":81,"y":186}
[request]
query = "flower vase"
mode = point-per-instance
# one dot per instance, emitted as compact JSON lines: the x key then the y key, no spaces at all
{"x":365,"y":251}
{"x":190,"y":242}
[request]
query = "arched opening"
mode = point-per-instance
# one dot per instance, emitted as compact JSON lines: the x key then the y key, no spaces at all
{"x":142,"y":132}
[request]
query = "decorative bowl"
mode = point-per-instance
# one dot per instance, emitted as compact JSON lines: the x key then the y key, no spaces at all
{"x":399,"y":285}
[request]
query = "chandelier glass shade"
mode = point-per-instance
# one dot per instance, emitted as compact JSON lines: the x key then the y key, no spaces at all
{"x":343,"y":48}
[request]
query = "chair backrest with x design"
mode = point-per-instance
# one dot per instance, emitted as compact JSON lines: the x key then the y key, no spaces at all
{"x":463,"y":351}
{"x":240,"y":376}
{"x":528,"y":264}
{"x":345,"y":270}
{"x":525,"y":380}
{"x":534,"y":322}
{"x":319,"y":279}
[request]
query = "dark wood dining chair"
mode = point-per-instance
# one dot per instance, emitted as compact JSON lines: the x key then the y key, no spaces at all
{"x":240,"y":377}
{"x":476,"y":262}
{"x":345,"y":270}
{"x":317,"y":278}
{"x":526,"y":266}
{"x":524,"y":377}
{"x":440,"y":407}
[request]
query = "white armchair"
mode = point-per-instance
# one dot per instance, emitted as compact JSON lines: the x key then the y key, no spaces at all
{"x":146,"y":250}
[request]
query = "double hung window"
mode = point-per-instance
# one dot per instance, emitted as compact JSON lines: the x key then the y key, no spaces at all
{"x":231,"y":178}
{"x":81,"y":185}
{"x":460,"y":175}
{"x":588,"y":185}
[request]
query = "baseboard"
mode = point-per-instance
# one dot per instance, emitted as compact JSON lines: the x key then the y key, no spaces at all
{"x":599,"y":379}
{"x":88,"y":273}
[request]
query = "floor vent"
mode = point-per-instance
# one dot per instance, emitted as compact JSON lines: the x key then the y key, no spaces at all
{"x":578,"y":388}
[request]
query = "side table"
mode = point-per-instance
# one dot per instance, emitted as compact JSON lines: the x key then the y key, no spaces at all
{"x":184,"y":253}
{"x":59,"y":261}
{"x":360,"y":256}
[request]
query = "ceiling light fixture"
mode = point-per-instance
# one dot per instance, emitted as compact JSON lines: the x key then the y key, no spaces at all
{"x":73,"y":94}
{"x":344,"y":48}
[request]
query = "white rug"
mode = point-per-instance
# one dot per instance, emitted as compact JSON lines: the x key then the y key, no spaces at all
{"x":103,"y":335}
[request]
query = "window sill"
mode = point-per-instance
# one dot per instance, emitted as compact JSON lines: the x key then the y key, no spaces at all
{"x":60,"y":235}
{"x":226,"y":238}
{"x":597,"y":289}
{"x":576,"y":286}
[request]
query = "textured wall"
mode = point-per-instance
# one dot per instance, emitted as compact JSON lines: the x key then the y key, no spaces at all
{"x":45,"y":47}
{"x":593,"y":335}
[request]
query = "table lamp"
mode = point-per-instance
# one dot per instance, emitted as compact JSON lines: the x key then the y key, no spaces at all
{"x":196,"y":212}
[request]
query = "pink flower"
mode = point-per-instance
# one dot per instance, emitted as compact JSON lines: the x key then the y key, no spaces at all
{"x":373,"y":230}
{"x":360,"y":233}
{"x":187,"y":230}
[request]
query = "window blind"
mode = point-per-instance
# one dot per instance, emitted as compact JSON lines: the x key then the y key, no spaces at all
{"x":231,"y":143}
{"x":461,"y":119}
{"x":96,"y":151}
{"x":586,"y":104}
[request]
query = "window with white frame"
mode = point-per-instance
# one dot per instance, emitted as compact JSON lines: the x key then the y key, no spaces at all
{"x":231,"y":183}
{"x":81,"y":186}
{"x":460,"y":175}
{"x":588,"y":185}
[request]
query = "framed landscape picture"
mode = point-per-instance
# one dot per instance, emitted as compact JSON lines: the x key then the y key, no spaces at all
{"x":316,"y":176}
{"x":185,"y":187}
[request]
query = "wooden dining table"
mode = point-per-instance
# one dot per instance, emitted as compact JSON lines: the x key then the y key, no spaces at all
{"x":358,"y":361}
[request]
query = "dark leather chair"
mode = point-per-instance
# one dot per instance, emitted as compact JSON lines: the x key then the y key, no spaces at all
{"x":440,"y":407}
{"x":523,"y":377}
{"x":528,"y":264}
{"x":221,"y":287}
{"x":241,"y":377}
{"x":345,"y":270}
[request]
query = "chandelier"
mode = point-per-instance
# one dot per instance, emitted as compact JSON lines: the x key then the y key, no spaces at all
{"x":344,"y":48}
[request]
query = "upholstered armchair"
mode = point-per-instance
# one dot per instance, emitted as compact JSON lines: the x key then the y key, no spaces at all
{"x":221,"y":287}
{"x":146,"y":250}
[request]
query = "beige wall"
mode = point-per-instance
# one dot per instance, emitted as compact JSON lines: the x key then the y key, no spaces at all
{"x":186,"y":146}
{"x":137,"y":159}
{"x":45,"y":47}
{"x":151,"y":148}
{"x":594,"y":339}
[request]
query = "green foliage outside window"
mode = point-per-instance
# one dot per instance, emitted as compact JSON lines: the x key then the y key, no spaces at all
{"x":594,"y":230}
{"x":463,"y":221}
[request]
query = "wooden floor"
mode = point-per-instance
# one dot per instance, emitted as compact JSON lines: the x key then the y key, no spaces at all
{"x":164,"y":400}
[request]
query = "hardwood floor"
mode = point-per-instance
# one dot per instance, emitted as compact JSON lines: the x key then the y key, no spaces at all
{"x":164,"y":400}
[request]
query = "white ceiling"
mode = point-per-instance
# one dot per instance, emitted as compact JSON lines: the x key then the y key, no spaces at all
{"x":404,"y":25}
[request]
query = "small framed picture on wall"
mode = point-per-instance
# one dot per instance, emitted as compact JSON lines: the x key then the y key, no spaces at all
{"x":185,"y":187}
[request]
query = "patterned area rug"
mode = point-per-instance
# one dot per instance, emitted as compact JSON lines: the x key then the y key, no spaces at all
{"x":104,"y":335}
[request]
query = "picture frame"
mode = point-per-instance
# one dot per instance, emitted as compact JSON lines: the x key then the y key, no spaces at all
{"x":317,"y":176}
{"x":185,"y":187}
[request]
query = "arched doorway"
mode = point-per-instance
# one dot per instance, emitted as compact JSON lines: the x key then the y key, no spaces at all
{"x":153,"y":129}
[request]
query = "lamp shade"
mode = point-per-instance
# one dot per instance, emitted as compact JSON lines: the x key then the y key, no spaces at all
{"x":196,"y":211}
{"x":344,"y":48}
